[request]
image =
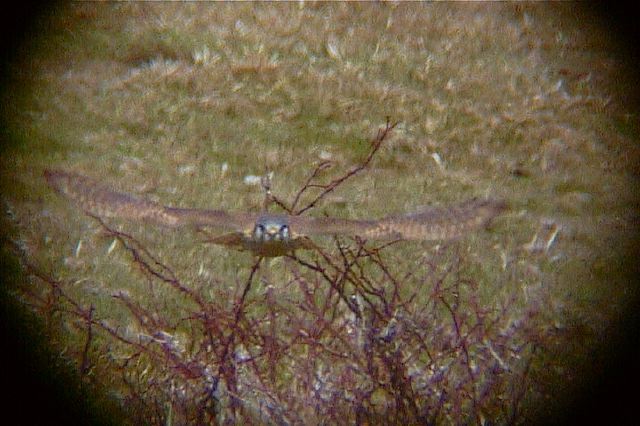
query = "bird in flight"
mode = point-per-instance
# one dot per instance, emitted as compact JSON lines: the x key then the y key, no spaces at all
{"x":272,"y":235}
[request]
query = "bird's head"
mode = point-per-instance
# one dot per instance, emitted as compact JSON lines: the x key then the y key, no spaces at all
{"x":271,"y":228}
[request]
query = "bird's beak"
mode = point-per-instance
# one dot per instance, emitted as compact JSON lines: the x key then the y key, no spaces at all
{"x":273,"y":231}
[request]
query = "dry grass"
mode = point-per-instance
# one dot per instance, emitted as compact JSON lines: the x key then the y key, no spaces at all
{"x":179,"y":102}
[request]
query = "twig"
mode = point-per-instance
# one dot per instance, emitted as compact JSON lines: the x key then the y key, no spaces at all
{"x":85,"y":365}
{"x":331,"y":186}
{"x":139,"y":253}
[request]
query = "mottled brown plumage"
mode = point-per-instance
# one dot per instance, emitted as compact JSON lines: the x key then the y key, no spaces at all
{"x":271,"y":234}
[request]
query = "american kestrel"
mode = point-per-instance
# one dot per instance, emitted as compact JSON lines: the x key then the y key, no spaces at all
{"x":271,"y":235}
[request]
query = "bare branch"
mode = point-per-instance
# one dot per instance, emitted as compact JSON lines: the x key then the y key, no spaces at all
{"x":331,"y":186}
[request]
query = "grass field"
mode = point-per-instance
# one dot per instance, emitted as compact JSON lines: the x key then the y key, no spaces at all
{"x":179,"y":103}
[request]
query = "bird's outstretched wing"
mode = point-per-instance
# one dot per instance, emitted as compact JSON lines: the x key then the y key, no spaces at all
{"x":97,"y":199}
{"x":431,"y":223}
{"x":426,"y":224}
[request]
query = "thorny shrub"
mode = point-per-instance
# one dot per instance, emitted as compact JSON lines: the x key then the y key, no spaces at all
{"x":357,"y":335}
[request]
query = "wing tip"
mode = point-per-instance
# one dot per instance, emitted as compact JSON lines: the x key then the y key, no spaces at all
{"x":50,"y":175}
{"x":55,"y":178}
{"x":65,"y":183}
{"x":498,"y":206}
{"x":488,"y":209}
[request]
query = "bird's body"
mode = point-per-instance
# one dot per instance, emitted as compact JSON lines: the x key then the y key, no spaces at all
{"x":270,"y":235}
